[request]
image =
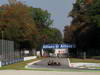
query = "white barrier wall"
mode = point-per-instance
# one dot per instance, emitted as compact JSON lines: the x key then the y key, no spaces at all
{"x":0,"y":64}
{"x":29,"y":58}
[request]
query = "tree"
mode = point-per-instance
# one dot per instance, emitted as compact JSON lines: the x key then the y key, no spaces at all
{"x":27,"y":25}
{"x":42,"y":18}
{"x":43,"y":22}
{"x":12,"y":2}
{"x":18,"y":17}
{"x":53,"y":36}
{"x":85,"y":14}
{"x":18,"y":24}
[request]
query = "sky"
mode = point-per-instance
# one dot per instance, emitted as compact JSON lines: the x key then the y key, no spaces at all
{"x":59,"y":10}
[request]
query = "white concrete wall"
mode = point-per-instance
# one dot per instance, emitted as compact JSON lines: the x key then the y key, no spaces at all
{"x":91,"y":65}
{"x":29,"y":58}
{"x":0,"y":64}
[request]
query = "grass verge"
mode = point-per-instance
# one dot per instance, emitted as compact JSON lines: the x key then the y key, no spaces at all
{"x":18,"y":66}
{"x":77,"y":60}
{"x":21,"y":66}
{"x":74,"y":60}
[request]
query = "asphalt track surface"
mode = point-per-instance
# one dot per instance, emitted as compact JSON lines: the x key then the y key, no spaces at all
{"x":44,"y":64}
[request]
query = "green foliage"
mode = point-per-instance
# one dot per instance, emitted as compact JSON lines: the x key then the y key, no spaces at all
{"x":22,"y":23}
{"x":43,"y":22}
{"x":53,"y":35}
{"x":17,"y":19}
{"x":42,"y":18}
{"x":95,"y":12}
{"x":86,"y":20}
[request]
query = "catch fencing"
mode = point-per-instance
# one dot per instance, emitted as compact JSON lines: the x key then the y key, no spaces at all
{"x":8,"y":53}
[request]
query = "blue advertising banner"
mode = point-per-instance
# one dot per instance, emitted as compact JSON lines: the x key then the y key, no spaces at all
{"x":58,"y":46}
